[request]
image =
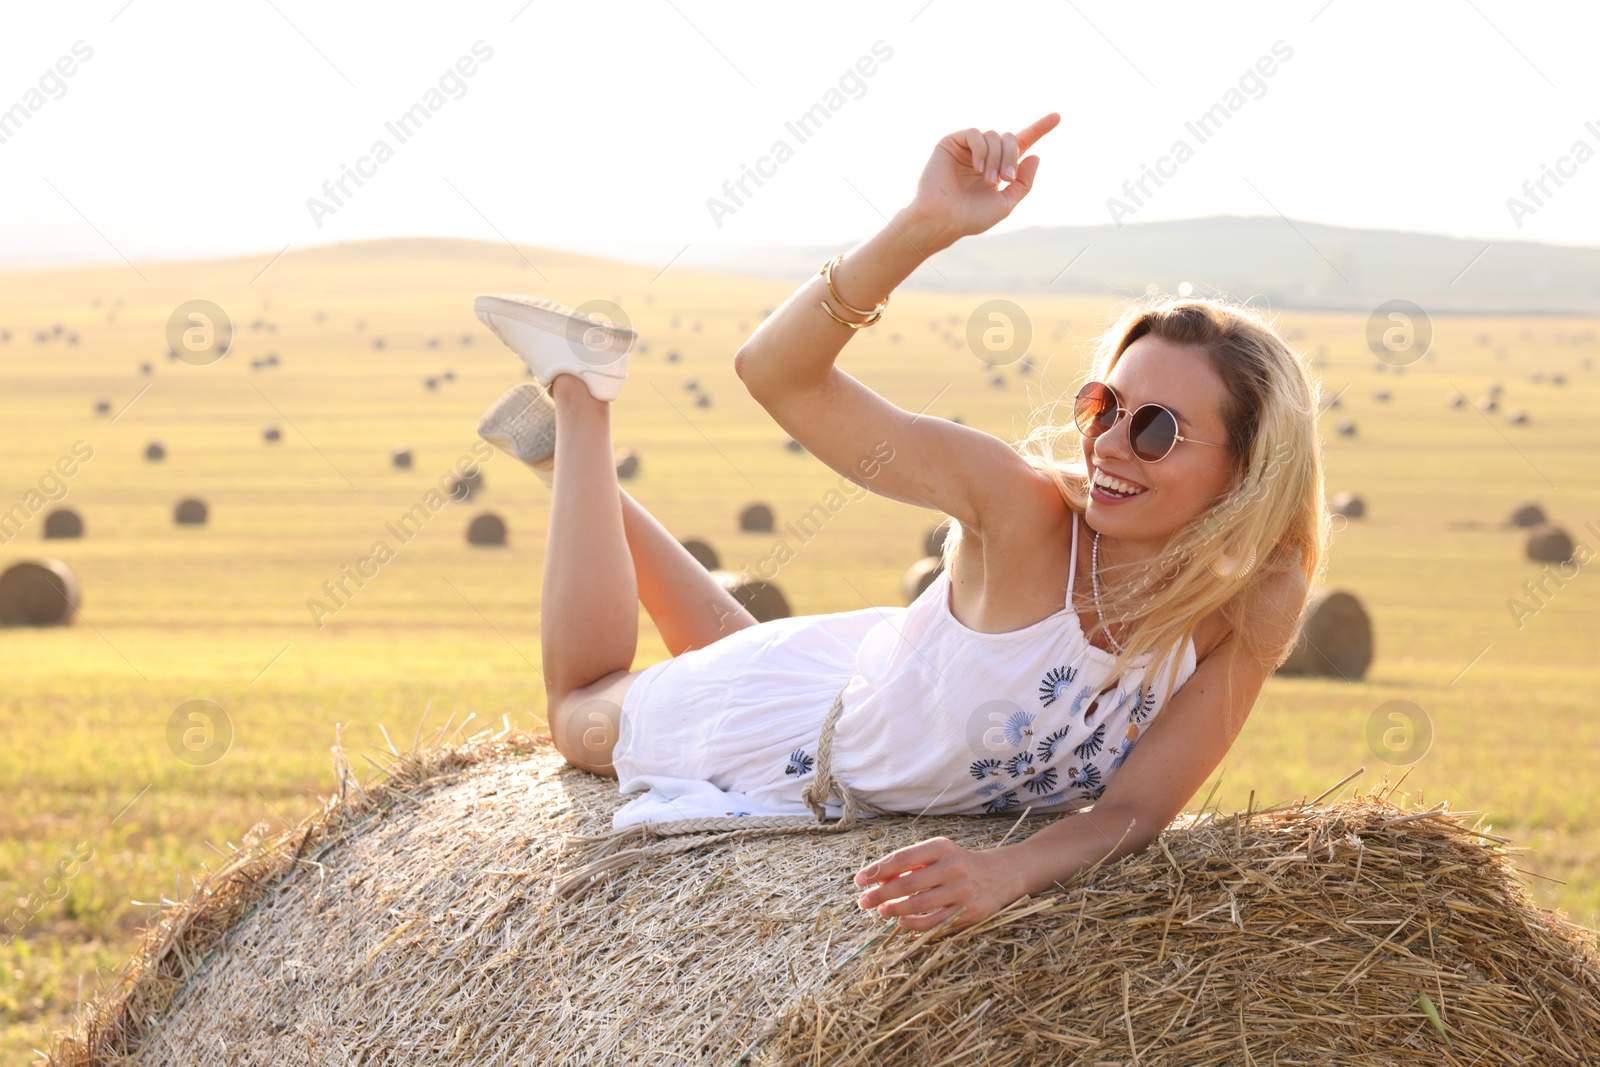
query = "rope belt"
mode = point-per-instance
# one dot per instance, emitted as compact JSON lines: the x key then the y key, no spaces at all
{"x":605,"y":852}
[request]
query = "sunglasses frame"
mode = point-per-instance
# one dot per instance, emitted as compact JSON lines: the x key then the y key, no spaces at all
{"x":1120,"y":411}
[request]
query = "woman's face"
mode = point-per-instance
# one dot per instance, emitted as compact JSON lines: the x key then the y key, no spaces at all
{"x":1192,"y":476}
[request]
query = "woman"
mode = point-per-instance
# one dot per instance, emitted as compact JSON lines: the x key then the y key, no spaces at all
{"x":1022,"y":679}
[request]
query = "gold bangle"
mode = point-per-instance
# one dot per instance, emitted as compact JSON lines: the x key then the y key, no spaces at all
{"x":827,"y":272}
{"x":842,"y":322}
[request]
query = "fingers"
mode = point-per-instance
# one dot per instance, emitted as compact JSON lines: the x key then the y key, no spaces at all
{"x":993,"y":157}
{"x":903,"y":886}
{"x":939,"y":918}
{"x":977,"y":146}
{"x":1027,"y":137}
{"x":903,"y":859}
{"x":1023,"y":182}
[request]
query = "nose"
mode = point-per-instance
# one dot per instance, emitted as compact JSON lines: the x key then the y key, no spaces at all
{"x":1118,"y":435}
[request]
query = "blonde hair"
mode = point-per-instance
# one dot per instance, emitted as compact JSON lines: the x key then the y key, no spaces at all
{"x":1272,"y":517}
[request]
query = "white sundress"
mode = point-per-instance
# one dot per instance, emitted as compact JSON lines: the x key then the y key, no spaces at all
{"x":937,"y":718}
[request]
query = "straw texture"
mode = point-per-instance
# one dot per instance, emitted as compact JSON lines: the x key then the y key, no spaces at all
{"x":415,"y":919}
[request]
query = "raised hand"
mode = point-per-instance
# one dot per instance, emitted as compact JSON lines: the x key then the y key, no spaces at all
{"x":959,"y":193}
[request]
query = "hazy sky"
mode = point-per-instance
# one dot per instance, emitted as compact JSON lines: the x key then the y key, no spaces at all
{"x":199,"y":129}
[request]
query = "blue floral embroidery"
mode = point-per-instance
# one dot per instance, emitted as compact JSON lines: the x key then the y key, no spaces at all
{"x":1019,"y":765}
{"x":1053,"y":798}
{"x":1145,"y":704}
{"x":736,"y":813}
{"x":1078,"y":701}
{"x":1047,"y":747}
{"x":1087,"y":778}
{"x":991,"y":789}
{"x":1090,"y":745}
{"x":985,"y":768}
{"x":1122,"y":754}
{"x":1042,"y":782}
{"x":1055,"y":682}
{"x":1002,"y":803}
{"x":799,"y":763}
{"x":1019,"y":728}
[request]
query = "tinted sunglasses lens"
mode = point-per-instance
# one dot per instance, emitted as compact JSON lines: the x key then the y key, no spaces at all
{"x":1095,"y":410}
{"x":1153,"y":431}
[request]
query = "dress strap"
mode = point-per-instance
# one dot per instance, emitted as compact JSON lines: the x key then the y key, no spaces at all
{"x":1072,"y":570}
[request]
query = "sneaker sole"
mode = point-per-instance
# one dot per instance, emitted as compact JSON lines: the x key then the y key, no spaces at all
{"x":523,"y":423}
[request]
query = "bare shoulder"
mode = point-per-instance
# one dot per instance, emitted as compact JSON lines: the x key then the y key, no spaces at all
{"x":1277,"y":602}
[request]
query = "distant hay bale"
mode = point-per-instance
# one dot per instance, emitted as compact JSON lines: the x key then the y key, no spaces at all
{"x":692,"y":384}
{"x":1380,"y":395}
{"x":486,"y":529}
{"x":673,"y":357}
{"x":703,"y":400}
{"x":703,"y":553}
{"x":155,"y":451}
{"x":1487,"y":402}
{"x":1517,"y":417}
{"x":401,"y":457}
{"x":952,"y":416}
{"x":933,"y":540}
{"x":41,"y":592}
{"x":433,"y":383}
{"x":191,"y":511}
{"x":1347,"y":504}
{"x":271,"y":434}
{"x":792,"y":445}
{"x":998,"y":381}
{"x":440,"y":912}
{"x":919,"y":576}
{"x":1492,"y":389}
{"x":146,"y":369}
{"x":1346,"y":428}
{"x":1549,"y":543}
{"x":63,"y":524}
{"x":1558,"y":379}
{"x":377,"y":342}
{"x":463,"y":486}
{"x":761,"y":599}
{"x":627,"y":463}
{"x":1528,"y":514}
{"x":449,"y":375}
{"x":1455,"y":399}
{"x":1333,"y":638}
{"x":102,"y":406}
{"x":755,"y":518}
{"x":1536,"y":377}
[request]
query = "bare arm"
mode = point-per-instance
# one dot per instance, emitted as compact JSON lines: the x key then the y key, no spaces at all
{"x":788,"y":363}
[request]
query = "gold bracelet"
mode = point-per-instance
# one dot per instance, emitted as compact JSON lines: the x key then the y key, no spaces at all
{"x":852,"y":325}
{"x":827,"y":272}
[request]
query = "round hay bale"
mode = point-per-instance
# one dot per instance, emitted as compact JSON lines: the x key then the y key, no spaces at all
{"x":102,"y":406}
{"x":1455,"y":399}
{"x":952,"y":416}
{"x":191,"y":511}
{"x":146,"y":369}
{"x":486,"y":529}
{"x":1346,"y":428}
{"x":1517,"y":417}
{"x":401,"y":457}
{"x":432,"y":383}
{"x":449,"y":375}
{"x":376,"y":923}
{"x":1487,"y":402}
{"x":1347,"y":504}
{"x":792,"y":445}
{"x":627,"y":464}
{"x":755,"y":518}
{"x":703,"y":553}
{"x":673,"y":357}
{"x":271,"y":434}
{"x":703,"y":400}
{"x":1334,"y":638}
{"x":692,"y":384}
{"x":63,"y":524}
{"x":41,"y":592}
{"x":761,"y":599}
{"x":1558,"y":379}
{"x":155,"y":451}
{"x":998,"y":381}
{"x":1492,"y":389}
{"x":462,"y":486}
{"x":919,"y":576}
{"x":1380,"y":395}
{"x":1528,"y":514}
{"x":933,"y":541}
{"x":1549,"y":543}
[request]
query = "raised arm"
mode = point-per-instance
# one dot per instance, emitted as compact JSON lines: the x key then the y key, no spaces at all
{"x":788,"y":363}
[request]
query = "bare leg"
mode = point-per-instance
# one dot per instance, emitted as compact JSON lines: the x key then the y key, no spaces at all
{"x":589,"y":629}
{"x":690,"y":608}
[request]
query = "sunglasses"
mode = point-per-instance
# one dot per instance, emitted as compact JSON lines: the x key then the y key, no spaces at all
{"x":1152,"y":430}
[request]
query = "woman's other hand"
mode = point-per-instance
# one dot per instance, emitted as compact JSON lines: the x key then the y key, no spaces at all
{"x":959,"y":192}
{"x":940,"y":878}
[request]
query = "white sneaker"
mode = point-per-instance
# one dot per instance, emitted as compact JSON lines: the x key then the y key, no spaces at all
{"x":522,"y":423}
{"x":554,"y":339}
